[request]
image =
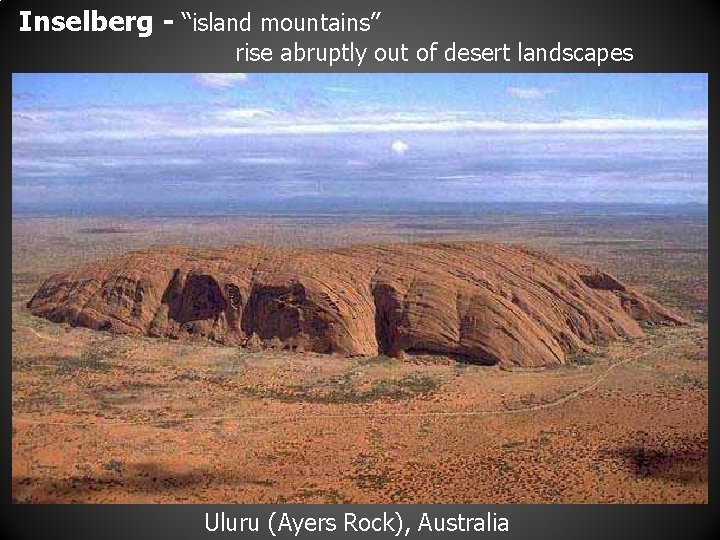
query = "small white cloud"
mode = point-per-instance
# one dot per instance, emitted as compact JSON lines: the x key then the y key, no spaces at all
{"x":530,"y":92}
{"x":399,"y":147}
{"x":221,"y":81}
{"x":233,"y":115}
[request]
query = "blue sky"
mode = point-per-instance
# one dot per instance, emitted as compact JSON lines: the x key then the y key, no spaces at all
{"x":80,"y":139}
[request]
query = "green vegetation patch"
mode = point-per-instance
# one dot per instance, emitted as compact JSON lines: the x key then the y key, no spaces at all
{"x":342,"y":390}
{"x":581,"y":359}
{"x":87,"y":362}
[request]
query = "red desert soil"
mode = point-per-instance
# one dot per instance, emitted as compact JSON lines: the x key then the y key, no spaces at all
{"x":479,"y":302}
{"x":108,"y":419}
{"x":113,"y":417}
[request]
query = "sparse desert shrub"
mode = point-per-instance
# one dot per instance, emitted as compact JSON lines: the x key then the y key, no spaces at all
{"x":504,"y":466}
{"x":233,"y":365}
{"x":114,"y":465}
{"x":373,"y":480}
{"x":342,"y":389}
{"x":330,"y":496}
{"x":189,"y":375}
{"x":599,"y":342}
{"x":254,"y":343}
{"x":692,"y":380}
{"x":649,"y":328}
{"x":411,"y":385}
{"x":375,"y":360}
{"x":91,"y":361}
{"x":512,"y":444}
{"x":459,"y":368}
{"x":581,"y":359}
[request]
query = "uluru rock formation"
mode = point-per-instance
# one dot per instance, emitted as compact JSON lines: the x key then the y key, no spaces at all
{"x":480,"y":302}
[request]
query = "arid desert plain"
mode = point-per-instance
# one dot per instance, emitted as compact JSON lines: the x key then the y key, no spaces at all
{"x":106,"y":417}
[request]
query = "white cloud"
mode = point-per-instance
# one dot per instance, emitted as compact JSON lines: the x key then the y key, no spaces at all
{"x":224,"y":149}
{"x":233,"y":115}
{"x":529,"y":92}
{"x":399,"y":147}
{"x":69,"y":125}
{"x":221,"y":81}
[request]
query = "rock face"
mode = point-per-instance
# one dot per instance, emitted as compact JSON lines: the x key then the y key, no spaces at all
{"x":484,"y":303}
